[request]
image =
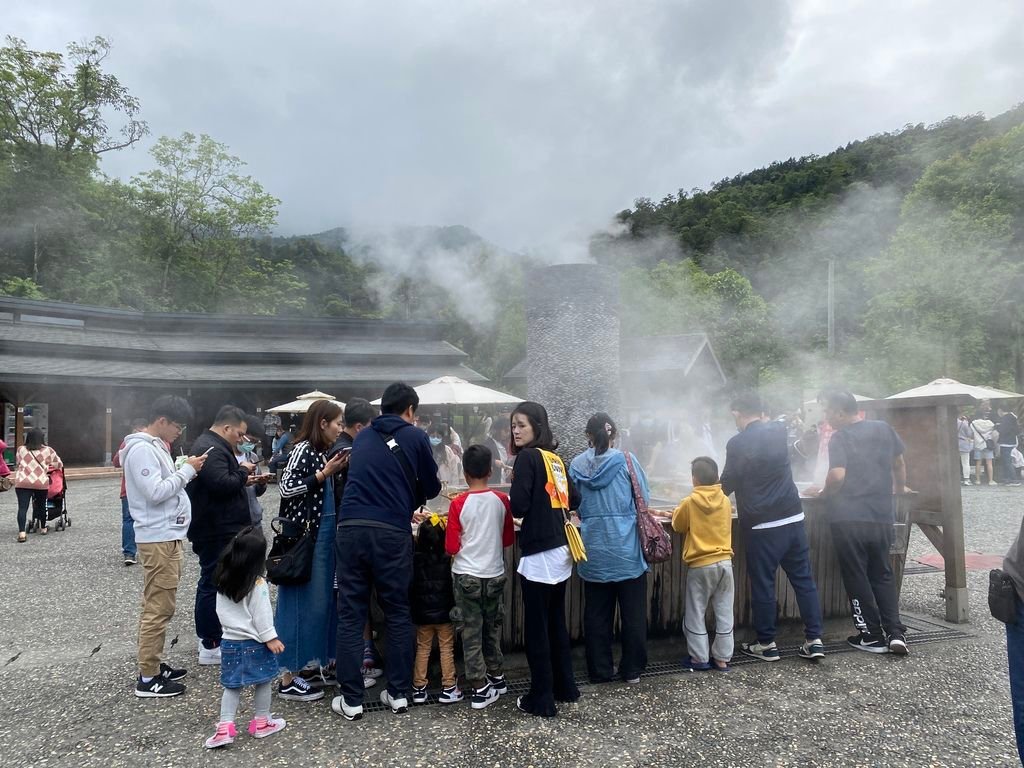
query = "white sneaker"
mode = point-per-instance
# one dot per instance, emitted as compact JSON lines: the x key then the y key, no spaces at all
{"x":398,"y":704}
{"x":450,"y":695}
{"x":209,"y":657}
{"x":369,"y":682}
{"x":343,"y":709}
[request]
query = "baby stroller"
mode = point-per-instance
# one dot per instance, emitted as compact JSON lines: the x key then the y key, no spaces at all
{"x":56,"y":504}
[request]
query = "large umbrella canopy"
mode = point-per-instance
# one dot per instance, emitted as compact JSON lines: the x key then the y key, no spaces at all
{"x":451,"y":390}
{"x":942,"y":387}
{"x":302,"y":403}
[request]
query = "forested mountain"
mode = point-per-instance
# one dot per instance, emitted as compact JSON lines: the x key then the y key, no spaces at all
{"x":924,"y":226}
{"x":779,"y":226}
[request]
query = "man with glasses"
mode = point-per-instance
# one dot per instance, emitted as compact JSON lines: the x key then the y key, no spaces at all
{"x":220,"y":509}
{"x":160,"y":511}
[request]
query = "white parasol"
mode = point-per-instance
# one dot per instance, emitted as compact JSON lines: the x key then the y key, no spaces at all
{"x":942,"y":387}
{"x":451,"y":390}
{"x":302,"y":403}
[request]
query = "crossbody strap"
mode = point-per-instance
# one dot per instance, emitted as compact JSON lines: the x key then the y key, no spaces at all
{"x":403,"y":462}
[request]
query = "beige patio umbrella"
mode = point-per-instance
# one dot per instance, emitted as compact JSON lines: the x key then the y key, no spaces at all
{"x":302,"y":402}
{"x":451,"y":390}
{"x":942,"y":387}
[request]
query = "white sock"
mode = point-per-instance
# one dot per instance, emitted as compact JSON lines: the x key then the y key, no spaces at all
{"x":148,"y":679}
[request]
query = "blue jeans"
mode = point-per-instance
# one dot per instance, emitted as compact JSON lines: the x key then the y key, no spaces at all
{"x":1007,"y":474}
{"x":767,"y":549}
{"x":1015,"y":653}
{"x":374,"y":556}
{"x":128,"y":547}
{"x":208,"y":628}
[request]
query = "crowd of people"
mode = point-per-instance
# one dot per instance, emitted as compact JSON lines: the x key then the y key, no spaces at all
{"x":988,"y":441}
{"x":356,"y":482}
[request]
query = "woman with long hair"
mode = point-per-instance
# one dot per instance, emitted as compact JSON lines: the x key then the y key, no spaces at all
{"x":305,"y":615}
{"x":541,"y":495}
{"x":615,"y":571}
{"x":32,"y":479}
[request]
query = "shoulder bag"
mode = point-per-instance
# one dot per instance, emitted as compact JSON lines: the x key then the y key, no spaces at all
{"x":1002,"y":596}
{"x":655,"y":543}
{"x":290,"y":561}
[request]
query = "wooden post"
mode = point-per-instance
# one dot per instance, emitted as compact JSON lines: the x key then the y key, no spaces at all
{"x":952,"y":512}
{"x":108,"y":445}
{"x":19,"y":420}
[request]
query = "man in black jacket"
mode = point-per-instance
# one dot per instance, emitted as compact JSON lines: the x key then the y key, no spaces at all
{"x":220,"y":509}
{"x":391,"y":473}
{"x":771,"y":517}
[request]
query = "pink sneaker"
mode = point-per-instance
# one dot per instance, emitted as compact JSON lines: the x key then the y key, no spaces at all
{"x":261,"y":727}
{"x":225,"y":735}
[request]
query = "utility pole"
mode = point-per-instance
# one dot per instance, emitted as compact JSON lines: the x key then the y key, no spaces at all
{"x":831,"y":307}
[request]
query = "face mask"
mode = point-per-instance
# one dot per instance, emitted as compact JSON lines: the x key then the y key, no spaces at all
{"x":435,"y":441}
{"x":247,"y":447}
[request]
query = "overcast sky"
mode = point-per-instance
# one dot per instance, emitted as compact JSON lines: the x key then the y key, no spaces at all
{"x":532,"y":123}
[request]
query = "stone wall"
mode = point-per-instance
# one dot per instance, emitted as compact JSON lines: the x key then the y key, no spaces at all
{"x":572,"y":348}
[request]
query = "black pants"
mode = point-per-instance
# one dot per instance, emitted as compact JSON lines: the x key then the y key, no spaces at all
{"x":37,"y":498}
{"x":208,"y":627}
{"x":547,"y":648}
{"x":600,"y":599}
{"x":371,"y":557}
{"x":863,"y":553}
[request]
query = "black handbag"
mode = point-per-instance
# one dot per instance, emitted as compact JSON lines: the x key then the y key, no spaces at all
{"x":290,"y":562}
{"x":1002,"y":596}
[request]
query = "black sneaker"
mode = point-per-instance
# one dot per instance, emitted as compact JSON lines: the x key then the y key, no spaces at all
{"x":482,"y":697}
{"x":170,"y":673}
{"x":868,"y":642}
{"x":298,"y":690}
{"x":497,"y":682}
{"x":158,"y":688}
{"x":320,"y":677}
{"x":419,"y":695}
{"x":898,"y":645}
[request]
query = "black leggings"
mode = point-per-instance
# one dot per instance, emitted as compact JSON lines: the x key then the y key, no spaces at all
{"x":37,"y":496}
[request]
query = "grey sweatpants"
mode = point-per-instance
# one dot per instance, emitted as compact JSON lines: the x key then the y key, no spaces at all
{"x":709,"y":585}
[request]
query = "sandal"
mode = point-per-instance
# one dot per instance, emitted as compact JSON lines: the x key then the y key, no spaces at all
{"x":22,"y":537}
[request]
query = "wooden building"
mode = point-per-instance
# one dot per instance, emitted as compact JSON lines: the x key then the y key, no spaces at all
{"x":83,"y":373}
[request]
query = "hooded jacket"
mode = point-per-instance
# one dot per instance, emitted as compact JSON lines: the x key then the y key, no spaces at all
{"x":157,"y":501}
{"x":608,"y":515}
{"x":704,"y":518}
{"x":220,"y":505}
{"x":431,"y":598}
{"x":376,"y":489}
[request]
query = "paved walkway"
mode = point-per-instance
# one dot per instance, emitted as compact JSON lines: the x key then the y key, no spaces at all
{"x":67,"y":665}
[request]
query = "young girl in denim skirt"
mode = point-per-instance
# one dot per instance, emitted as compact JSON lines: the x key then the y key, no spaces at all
{"x":250,"y":644}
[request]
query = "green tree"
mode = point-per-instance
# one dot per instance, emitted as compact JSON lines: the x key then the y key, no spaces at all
{"x":201,"y":214}
{"x":54,"y":113}
{"x":947,"y":290}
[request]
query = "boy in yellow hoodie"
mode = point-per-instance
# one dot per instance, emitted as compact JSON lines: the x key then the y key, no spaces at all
{"x":705,"y":520}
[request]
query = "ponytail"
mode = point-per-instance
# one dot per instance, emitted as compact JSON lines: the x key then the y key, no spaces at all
{"x":601,"y":431}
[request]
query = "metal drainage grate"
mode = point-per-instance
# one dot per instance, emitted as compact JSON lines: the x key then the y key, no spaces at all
{"x":919,"y":632}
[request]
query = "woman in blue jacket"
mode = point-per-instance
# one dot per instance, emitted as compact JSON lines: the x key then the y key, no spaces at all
{"x":615,"y":571}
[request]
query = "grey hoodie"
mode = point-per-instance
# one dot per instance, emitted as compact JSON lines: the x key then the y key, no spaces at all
{"x":156,"y":494}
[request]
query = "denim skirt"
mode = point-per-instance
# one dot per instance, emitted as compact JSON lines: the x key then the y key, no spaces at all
{"x":246,"y":662}
{"x":306,"y":618}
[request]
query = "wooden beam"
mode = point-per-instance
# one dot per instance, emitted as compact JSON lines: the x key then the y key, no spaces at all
{"x":934,"y":534}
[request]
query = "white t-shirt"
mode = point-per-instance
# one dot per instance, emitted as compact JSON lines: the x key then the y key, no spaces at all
{"x":479,"y":527}
{"x":552,"y":566}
